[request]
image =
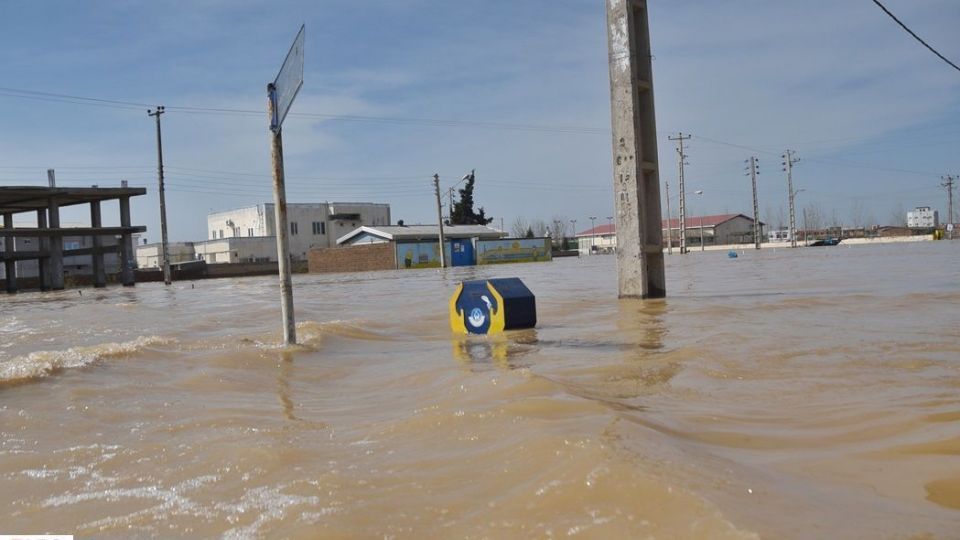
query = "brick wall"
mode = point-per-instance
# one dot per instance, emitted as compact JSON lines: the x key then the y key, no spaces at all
{"x":363,"y":258}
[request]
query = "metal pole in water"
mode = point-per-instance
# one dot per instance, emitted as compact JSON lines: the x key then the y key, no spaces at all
{"x":283,"y":239}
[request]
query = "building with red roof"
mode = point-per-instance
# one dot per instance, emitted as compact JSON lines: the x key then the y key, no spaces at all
{"x":720,"y":229}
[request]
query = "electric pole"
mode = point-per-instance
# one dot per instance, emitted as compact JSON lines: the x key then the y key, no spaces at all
{"x":164,"y":253}
{"x":754,"y":171}
{"x":593,"y":234}
{"x":948,"y":183}
{"x":573,"y":227}
{"x":636,"y":171}
{"x":436,"y":189}
{"x":789,"y":160}
{"x":682,"y":157}
{"x":669,"y":226}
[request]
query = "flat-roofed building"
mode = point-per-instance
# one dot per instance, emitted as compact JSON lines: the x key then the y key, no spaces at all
{"x":923,"y":217}
{"x":309,"y":225}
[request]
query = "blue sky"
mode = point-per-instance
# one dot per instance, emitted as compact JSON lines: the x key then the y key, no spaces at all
{"x":874,"y":117}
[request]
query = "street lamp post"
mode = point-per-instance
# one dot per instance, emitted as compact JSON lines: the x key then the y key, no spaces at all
{"x":573,"y":230}
{"x":593,"y":234}
{"x":699,"y":192}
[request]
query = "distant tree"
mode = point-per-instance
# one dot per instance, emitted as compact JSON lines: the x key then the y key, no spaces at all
{"x":858,"y":214}
{"x":558,"y":227}
{"x":462,"y":212}
{"x":529,"y":233}
{"x":539,"y":227}
{"x":519,"y":227}
{"x":898,"y":216}
{"x":812,"y":217}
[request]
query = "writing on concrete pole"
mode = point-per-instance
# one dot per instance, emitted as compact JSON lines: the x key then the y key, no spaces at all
{"x":280,"y":95}
{"x":636,"y":180}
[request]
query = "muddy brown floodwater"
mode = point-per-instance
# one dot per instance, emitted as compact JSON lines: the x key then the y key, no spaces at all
{"x":808,"y":393}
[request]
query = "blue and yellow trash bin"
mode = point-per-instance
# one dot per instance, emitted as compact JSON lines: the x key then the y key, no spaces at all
{"x":490,"y":306}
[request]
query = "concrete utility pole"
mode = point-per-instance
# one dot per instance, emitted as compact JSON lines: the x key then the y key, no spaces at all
{"x":669,"y":217}
{"x":281,"y":224}
{"x":754,"y":171}
{"x":593,"y":234}
{"x":636,"y":181}
{"x":681,"y":159}
{"x":436,"y":189}
{"x":948,"y":183}
{"x":573,"y":227}
{"x":699,"y":193}
{"x":788,"y":162}
{"x":164,"y":253}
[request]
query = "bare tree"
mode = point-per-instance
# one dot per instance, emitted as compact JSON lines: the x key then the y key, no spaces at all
{"x":539,"y":227}
{"x":835,"y":221}
{"x":858,"y":214}
{"x":813,"y":217}
{"x":558,"y":228}
{"x":519,"y":227}
{"x":898,"y":216}
{"x":768,"y":217}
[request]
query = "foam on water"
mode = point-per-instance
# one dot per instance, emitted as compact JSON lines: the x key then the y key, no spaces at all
{"x":41,"y":364}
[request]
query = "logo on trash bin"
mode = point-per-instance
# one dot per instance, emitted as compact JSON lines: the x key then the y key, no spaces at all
{"x":477,"y":318}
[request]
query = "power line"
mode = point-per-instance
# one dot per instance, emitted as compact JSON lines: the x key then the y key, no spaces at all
{"x":918,"y":38}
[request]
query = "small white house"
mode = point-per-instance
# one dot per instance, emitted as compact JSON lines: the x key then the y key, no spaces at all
{"x":923,"y":217}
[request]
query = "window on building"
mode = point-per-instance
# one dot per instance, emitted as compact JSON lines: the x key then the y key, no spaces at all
{"x":221,"y":233}
{"x":250,"y":231}
{"x":319,"y":227}
{"x":213,"y":235}
{"x":293,"y":227}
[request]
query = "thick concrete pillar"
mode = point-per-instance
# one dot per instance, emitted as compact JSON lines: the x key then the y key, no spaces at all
{"x":55,"y":262}
{"x":636,"y":181}
{"x":99,"y":272}
{"x":126,"y":245}
{"x":43,"y":268}
{"x":9,"y":265}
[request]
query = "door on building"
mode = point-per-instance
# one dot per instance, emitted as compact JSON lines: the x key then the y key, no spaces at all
{"x":462,"y":254}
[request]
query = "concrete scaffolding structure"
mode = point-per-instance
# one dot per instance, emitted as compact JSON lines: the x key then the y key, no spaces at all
{"x":49,"y":254}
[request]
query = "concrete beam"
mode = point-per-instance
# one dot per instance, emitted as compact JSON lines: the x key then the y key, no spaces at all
{"x":10,"y":266}
{"x":43,"y":270}
{"x":99,"y":272}
{"x":55,"y":262}
{"x":126,"y":244}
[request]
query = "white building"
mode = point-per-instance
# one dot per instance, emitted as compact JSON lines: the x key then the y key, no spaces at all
{"x":779,"y":235}
{"x":148,"y":255}
{"x":923,"y":217}
{"x":310,"y":225}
